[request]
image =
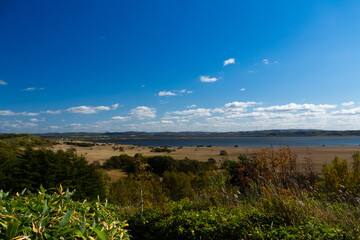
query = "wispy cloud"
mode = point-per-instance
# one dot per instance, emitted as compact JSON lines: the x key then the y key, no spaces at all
{"x":243,"y":89}
{"x":37,"y":120}
{"x":33,"y":89}
{"x":11,"y":113}
{"x":166,"y":93}
{"x":30,"y":89}
{"x":351,"y":111}
{"x":267,"y":61}
{"x":51,"y":112}
{"x":229,"y":61}
{"x":296,"y":107}
{"x":2,"y":82}
{"x":115,"y":106}
{"x":90,"y":109}
{"x":174,"y":93}
{"x":208,"y":79}
{"x":120,"y":118}
{"x":191,"y":106}
{"x":346,"y":104}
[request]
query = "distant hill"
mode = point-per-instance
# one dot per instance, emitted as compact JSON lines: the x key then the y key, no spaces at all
{"x":152,"y":135}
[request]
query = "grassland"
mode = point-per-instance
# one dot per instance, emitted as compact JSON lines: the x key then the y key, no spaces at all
{"x":319,"y":155}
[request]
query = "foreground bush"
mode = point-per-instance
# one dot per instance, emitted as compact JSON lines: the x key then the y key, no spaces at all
{"x":194,"y":220}
{"x":56,"y":216}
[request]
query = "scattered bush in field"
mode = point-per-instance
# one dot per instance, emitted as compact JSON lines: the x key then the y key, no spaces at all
{"x":80,"y":144}
{"x":71,"y":149}
{"x":161,"y":149}
{"x":223,"y":153}
{"x":122,"y":161}
{"x":56,"y":216}
{"x":158,"y":164}
{"x":211,"y":161}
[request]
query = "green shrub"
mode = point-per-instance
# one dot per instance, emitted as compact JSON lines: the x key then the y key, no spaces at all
{"x":55,"y":216}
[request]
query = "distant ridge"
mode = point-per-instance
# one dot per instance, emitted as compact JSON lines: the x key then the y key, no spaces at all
{"x":196,"y":134}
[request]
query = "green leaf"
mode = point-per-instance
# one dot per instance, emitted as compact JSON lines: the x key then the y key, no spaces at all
{"x":82,"y":226}
{"x":79,"y":233}
{"x":45,"y":208}
{"x":65,"y":220}
{"x":42,"y":190}
{"x":101,"y":234}
{"x":12,"y":229}
{"x":23,"y":192}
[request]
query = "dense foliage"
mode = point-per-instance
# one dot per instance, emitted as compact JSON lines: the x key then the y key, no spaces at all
{"x":55,"y":216}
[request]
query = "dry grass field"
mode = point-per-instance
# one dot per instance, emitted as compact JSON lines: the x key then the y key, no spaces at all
{"x":101,"y":152}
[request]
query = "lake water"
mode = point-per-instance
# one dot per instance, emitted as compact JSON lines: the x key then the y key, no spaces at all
{"x":242,"y":141}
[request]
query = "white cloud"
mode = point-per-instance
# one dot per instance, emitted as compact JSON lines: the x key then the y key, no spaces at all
{"x":166,"y":122}
{"x":243,"y":89}
{"x":166,"y":93}
{"x":351,"y":111}
{"x":75,"y":124}
{"x":115,"y":106}
{"x":37,"y":120}
{"x":91,"y":110}
{"x":265,"y":61}
{"x":143,"y":112}
{"x":208,"y":79}
{"x":119,"y":118}
{"x":296,"y":107}
{"x":229,"y":61}
{"x":11,"y":113}
{"x":2,"y":82}
{"x":51,"y":112}
{"x":199,"y":112}
{"x":234,"y":105}
{"x":6,"y":113}
{"x":30,"y":89}
{"x":191,"y":106}
{"x":345,"y":104}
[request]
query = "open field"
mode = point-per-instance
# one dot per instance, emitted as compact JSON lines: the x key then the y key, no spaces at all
{"x":319,"y":155}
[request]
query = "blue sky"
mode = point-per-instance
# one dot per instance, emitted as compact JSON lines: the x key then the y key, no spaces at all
{"x":179,"y":65}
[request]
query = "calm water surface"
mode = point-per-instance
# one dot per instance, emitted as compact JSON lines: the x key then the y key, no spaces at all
{"x":242,"y":141}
